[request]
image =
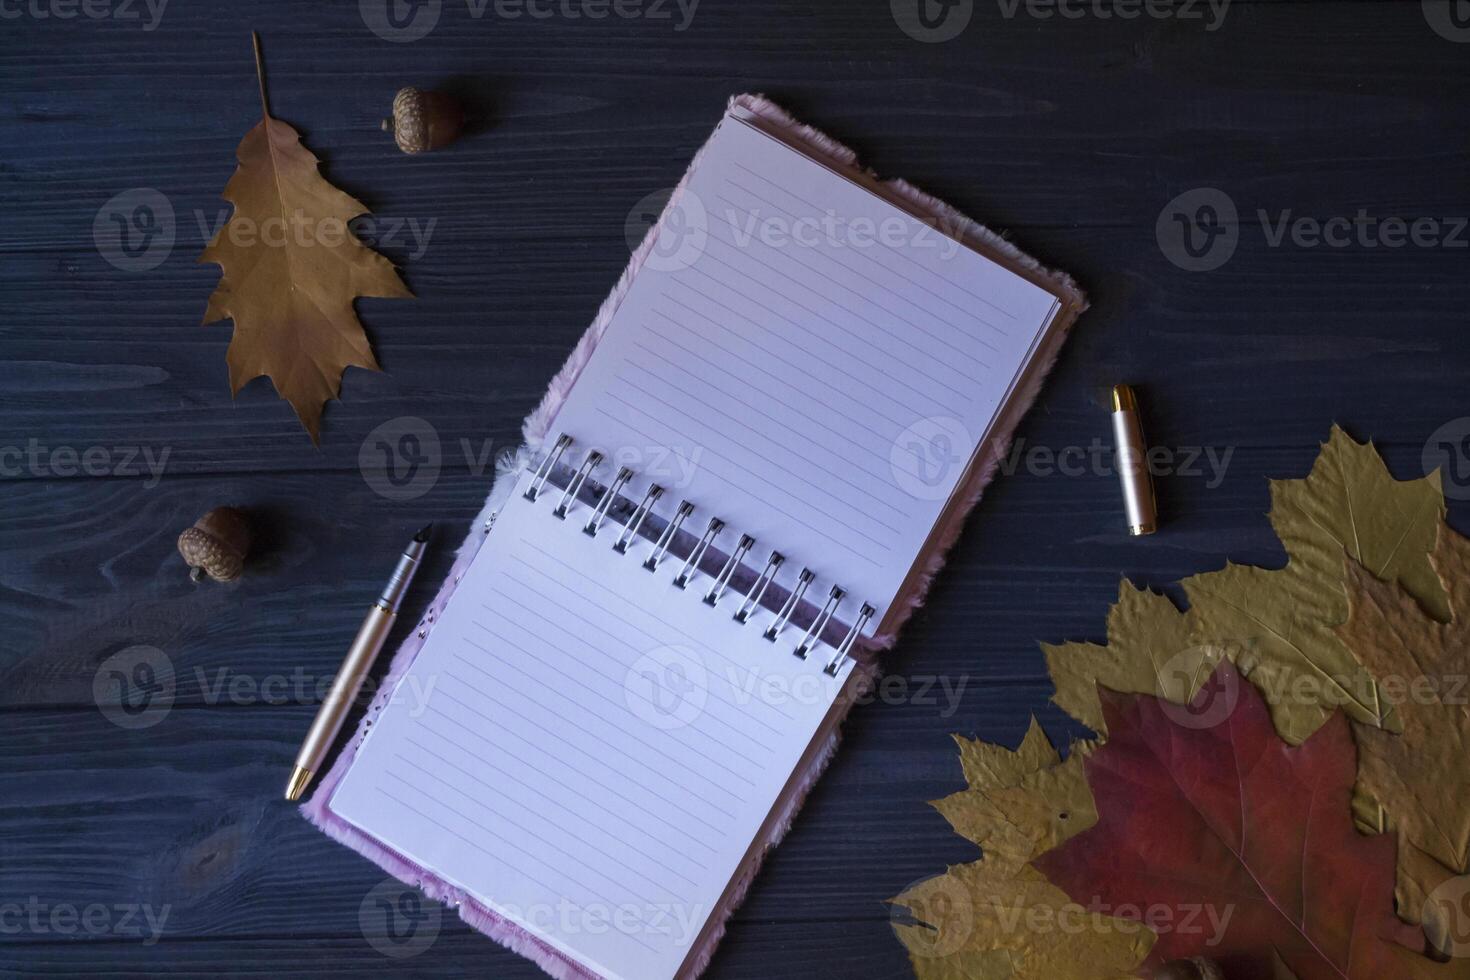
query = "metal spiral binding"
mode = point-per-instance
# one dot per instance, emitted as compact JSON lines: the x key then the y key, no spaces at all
{"x":599,"y":514}
{"x":845,"y":647}
{"x":569,"y":495}
{"x":630,"y":531}
{"x":664,"y":540}
{"x":563,"y":442}
{"x":802,"y":581}
{"x":834,"y":599}
{"x":757,"y":590}
{"x":712,"y":597}
{"x":749,"y":603}
{"x":691,"y":564}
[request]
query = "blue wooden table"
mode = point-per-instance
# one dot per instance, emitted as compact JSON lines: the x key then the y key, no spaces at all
{"x":1266,"y":202}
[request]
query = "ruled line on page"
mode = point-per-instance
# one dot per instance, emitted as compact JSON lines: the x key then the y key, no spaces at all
{"x":592,"y":667}
{"x":955,"y":345}
{"x":614,"y":613}
{"x":642,"y":786}
{"x":586,"y":822}
{"x":897,"y":252}
{"x":915,"y":299}
{"x":622,"y":705}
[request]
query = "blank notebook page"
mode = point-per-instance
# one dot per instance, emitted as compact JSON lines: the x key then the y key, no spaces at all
{"x":596,"y":750}
{"x":805,"y":360}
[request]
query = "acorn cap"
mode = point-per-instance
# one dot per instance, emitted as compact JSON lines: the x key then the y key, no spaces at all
{"x":423,"y":120}
{"x":217,"y":545}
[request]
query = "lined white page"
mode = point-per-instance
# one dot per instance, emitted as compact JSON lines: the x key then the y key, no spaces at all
{"x":585,"y":748}
{"x":806,"y":361}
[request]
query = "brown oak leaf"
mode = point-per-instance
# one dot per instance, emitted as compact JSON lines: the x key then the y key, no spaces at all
{"x":291,"y":271}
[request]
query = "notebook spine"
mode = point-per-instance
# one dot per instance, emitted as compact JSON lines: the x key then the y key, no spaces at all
{"x":749,"y":603}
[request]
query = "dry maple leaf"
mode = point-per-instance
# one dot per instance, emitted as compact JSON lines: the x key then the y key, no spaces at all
{"x":998,"y":918}
{"x":1422,"y":776}
{"x":1276,"y":624}
{"x":291,"y":271}
{"x":1237,"y":846}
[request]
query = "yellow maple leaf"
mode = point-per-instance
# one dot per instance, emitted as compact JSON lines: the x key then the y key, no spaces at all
{"x":1422,"y":665}
{"x":291,"y":270}
{"x":998,"y":918}
{"x":1275,"y":624}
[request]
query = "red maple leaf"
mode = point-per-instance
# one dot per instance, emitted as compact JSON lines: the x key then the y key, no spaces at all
{"x":1234,"y":845}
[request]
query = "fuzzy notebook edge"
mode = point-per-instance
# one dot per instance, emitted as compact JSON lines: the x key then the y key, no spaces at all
{"x":534,"y":432}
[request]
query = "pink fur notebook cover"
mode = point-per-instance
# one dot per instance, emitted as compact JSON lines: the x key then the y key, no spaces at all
{"x":981,"y":470}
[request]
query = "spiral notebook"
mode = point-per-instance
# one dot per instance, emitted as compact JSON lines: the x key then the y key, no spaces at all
{"x":669,"y":616}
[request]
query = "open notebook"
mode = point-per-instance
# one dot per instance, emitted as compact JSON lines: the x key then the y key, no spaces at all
{"x":668,"y":620}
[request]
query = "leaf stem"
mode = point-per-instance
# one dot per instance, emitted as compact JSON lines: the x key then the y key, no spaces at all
{"x":265,"y":105}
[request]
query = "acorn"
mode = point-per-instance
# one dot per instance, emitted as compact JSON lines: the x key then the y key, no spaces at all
{"x":1194,"y":968}
{"x":423,"y":120}
{"x":216,"y":545}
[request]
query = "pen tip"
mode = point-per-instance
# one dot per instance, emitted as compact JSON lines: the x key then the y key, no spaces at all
{"x":423,"y":535}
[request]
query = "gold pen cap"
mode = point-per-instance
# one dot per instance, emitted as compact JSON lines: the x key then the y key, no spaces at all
{"x":1132,"y":462}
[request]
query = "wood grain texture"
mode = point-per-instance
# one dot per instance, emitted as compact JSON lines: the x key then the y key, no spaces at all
{"x":1069,"y":134}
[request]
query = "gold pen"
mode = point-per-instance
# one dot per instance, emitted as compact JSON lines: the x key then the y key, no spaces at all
{"x":348,"y":682}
